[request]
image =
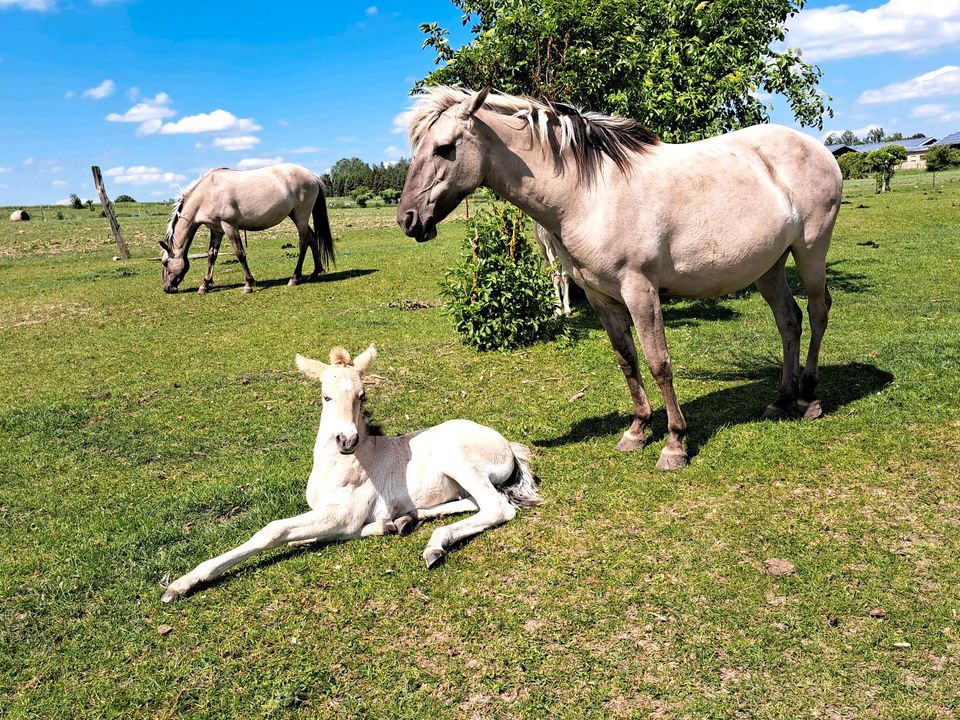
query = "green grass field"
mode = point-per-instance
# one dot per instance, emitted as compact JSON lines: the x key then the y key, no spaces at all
{"x":141,"y":433}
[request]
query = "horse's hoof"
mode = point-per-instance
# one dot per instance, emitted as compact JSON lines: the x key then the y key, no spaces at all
{"x":403,"y":524}
{"x":315,"y":275}
{"x":433,"y":557}
{"x":672,"y":459}
{"x":775,"y":413}
{"x":294,"y":281}
{"x":630,"y":442}
{"x":201,"y":290}
{"x":809,"y":410}
{"x":247,"y":289}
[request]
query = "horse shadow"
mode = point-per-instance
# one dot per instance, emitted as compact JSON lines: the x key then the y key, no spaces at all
{"x":840,"y":385}
{"x":274,"y":282}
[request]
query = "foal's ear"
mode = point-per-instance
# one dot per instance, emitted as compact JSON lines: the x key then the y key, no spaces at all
{"x":310,"y":368}
{"x":470,"y":106}
{"x":364,"y":360}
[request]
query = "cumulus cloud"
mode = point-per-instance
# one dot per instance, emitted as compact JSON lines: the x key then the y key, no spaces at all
{"x":5,"y":170}
{"x":371,"y":11}
{"x":216,"y":121}
{"x":241,"y":142}
{"x":59,"y":183}
{"x":896,"y":26}
{"x":69,"y":94}
{"x":393,"y":152}
{"x":401,"y":121}
{"x":933,"y":111}
{"x":943,"y":81}
{"x":254,"y":163}
{"x":37,"y":5}
{"x":149,"y":112}
{"x":143,"y":175}
{"x":101,"y":91}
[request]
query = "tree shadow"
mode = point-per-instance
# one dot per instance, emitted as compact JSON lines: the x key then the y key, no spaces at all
{"x":840,"y":385}
{"x":274,"y":282}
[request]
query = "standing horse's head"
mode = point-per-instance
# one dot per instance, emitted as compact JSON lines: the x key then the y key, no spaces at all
{"x":174,"y":268}
{"x":342,"y":385}
{"x":447,"y":166}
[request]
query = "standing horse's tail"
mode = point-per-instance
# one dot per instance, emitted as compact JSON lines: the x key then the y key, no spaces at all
{"x":321,"y":226}
{"x":521,"y":489}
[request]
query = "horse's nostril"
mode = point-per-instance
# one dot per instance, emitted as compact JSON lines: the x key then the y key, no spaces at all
{"x":410,"y":220}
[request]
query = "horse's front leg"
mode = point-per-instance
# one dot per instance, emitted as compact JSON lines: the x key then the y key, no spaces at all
{"x":215,"y":239}
{"x":616,"y":321}
{"x":234,"y":235}
{"x":644,"y":303}
{"x":332,"y":522}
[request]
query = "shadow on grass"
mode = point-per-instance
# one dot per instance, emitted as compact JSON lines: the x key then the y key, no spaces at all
{"x":326,"y":277}
{"x":840,"y":385}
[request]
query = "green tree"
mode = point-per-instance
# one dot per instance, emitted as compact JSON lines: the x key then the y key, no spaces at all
{"x":75,"y":202}
{"x":848,"y":138}
{"x":124,"y":198}
{"x":883,"y":164}
{"x":687,"y":68}
{"x":874,"y":135}
{"x":941,"y":157}
{"x":852,"y":165}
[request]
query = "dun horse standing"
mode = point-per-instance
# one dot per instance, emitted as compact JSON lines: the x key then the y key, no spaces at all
{"x":228,"y":201}
{"x":634,"y":217}
{"x":363,"y":484}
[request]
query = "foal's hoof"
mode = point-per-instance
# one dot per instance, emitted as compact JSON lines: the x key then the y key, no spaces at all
{"x":809,"y":410}
{"x":247,"y":289}
{"x":403,"y":524}
{"x":433,"y":557}
{"x":775,"y":413}
{"x":671,"y":459}
{"x":169,"y":596}
{"x":630,"y":442}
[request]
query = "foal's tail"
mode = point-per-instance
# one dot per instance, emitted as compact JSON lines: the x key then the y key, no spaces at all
{"x":521,"y":489}
{"x":321,"y":225}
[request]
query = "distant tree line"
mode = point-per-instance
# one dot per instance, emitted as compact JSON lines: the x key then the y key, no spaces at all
{"x":350,"y":174}
{"x":874,"y":135}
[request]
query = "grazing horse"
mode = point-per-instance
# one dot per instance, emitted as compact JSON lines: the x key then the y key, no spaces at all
{"x":561,"y":280}
{"x":634,"y":217}
{"x":364,"y":484}
{"x":228,"y":201}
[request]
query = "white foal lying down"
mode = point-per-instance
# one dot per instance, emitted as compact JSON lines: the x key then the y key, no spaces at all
{"x":364,"y":485}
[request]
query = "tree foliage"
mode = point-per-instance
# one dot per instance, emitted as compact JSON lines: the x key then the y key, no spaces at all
{"x":75,"y":202}
{"x":852,"y":165}
{"x":874,"y":135}
{"x":686,"y":68}
{"x":124,"y":199}
{"x":347,"y":174}
{"x":942,"y":157}
{"x":883,"y":164}
{"x":500,"y":295}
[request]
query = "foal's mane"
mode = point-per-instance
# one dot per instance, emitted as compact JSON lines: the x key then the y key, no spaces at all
{"x":178,"y":205}
{"x":589,"y":135}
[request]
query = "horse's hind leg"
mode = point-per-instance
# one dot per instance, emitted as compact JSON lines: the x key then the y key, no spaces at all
{"x":616,"y":321}
{"x":775,"y":290}
{"x":306,"y":239}
{"x":812,"y":265}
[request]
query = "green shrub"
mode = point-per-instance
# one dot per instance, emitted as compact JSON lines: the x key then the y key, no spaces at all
{"x":942,"y":157}
{"x":75,"y":202}
{"x":390,"y":196}
{"x":500,"y":295}
{"x":361,"y":196}
{"x":124,"y":198}
{"x":852,"y":165}
{"x":883,"y":164}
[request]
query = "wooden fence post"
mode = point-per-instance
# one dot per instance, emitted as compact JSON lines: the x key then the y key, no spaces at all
{"x":108,"y":211}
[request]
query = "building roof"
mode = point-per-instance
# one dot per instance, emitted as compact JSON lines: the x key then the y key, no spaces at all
{"x":951,"y":139}
{"x":909,"y":144}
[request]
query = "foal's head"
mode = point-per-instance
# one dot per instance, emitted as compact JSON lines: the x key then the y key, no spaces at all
{"x":343,"y":395}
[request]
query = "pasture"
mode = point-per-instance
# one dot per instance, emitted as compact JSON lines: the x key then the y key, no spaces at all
{"x":142,"y":433}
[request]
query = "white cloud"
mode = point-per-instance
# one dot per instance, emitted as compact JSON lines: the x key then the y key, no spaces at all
{"x":56,"y":170}
{"x":143,"y":175}
{"x":28,"y":161}
{"x":943,"y":81}
{"x":837,"y":31}
{"x":216,"y":121}
{"x":304,"y":149}
{"x":371,"y":11}
{"x":69,"y":94}
{"x":5,"y":170}
{"x":101,"y":91}
{"x":59,"y":183}
{"x":38,"y":5}
{"x":148,"y":112}
{"x":133,"y":93}
{"x":393,"y":152}
{"x":401,"y":121}
{"x":254,"y":163}
{"x":241,"y":142}
{"x":938,"y":113}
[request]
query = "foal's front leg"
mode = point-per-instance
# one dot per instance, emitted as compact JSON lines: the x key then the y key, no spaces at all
{"x":215,"y":239}
{"x":334,"y":522}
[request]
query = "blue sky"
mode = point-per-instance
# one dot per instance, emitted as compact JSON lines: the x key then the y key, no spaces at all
{"x":156,"y":93}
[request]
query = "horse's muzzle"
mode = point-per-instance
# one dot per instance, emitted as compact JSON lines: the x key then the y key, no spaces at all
{"x":170,"y":289}
{"x":414,"y":226}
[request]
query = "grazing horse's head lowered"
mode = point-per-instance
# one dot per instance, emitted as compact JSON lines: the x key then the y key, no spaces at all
{"x":174,"y":268}
{"x":343,"y":395}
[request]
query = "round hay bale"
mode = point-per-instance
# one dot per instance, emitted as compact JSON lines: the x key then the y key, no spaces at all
{"x":19,"y":216}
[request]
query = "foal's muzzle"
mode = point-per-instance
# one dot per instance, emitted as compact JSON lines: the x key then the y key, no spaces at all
{"x":347,"y":444}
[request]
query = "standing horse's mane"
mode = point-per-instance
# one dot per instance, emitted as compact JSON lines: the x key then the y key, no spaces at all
{"x":588,"y":135}
{"x":178,"y":205}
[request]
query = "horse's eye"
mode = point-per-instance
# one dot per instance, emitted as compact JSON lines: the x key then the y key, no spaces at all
{"x":326,"y":398}
{"x":447,"y":152}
